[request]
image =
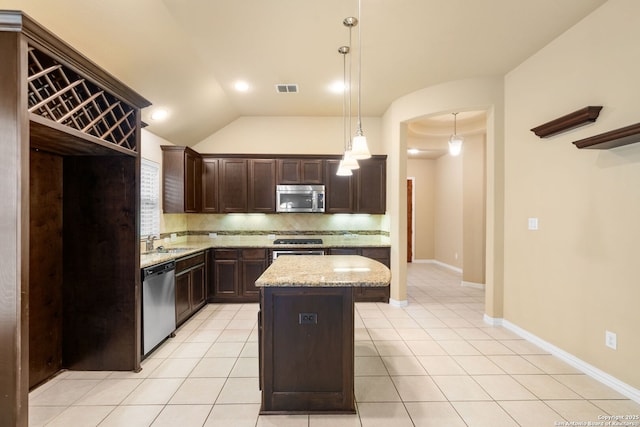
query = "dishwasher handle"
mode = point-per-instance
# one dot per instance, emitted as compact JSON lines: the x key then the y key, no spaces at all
{"x":159,"y":269}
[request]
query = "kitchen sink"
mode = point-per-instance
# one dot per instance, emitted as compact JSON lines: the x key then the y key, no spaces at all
{"x":162,"y":250}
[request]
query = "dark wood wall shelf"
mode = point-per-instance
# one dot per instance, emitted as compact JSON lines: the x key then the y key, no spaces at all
{"x":612,"y":139}
{"x":573,"y":120}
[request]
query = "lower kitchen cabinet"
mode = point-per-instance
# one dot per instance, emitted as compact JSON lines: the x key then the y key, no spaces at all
{"x":190,"y":285}
{"x":234,"y":274}
{"x":380,"y":254}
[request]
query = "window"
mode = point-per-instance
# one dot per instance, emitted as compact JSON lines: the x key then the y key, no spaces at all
{"x":149,"y":198}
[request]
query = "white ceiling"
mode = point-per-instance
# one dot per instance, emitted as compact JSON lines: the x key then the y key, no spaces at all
{"x":186,"y":55}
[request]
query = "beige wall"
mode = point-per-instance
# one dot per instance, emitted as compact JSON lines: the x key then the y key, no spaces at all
{"x":473,"y":209}
{"x":448,"y":211}
{"x":287,"y":135}
{"x":424,"y":173}
{"x":577,"y":276}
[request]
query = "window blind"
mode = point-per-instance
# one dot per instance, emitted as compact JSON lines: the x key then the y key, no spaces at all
{"x":149,"y":198}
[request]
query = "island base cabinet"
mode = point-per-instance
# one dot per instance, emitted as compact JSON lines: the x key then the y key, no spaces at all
{"x":307,"y":350}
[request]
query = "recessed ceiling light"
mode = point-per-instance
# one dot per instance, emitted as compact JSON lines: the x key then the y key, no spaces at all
{"x":338,"y":87}
{"x":241,"y":86}
{"x":413,"y":151}
{"x":159,"y":114}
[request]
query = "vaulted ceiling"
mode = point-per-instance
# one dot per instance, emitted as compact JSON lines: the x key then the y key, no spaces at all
{"x":186,"y":55}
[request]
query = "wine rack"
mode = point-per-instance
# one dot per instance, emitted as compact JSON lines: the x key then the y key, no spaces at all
{"x":57,"y":93}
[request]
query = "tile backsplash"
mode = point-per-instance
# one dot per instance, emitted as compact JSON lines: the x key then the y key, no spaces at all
{"x":274,"y":223}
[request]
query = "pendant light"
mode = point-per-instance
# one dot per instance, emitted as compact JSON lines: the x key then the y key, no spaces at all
{"x":360,"y":149}
{"x":347,"y":163}
{"x":455,"y":142}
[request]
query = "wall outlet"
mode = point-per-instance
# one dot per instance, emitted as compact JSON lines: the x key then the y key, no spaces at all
{"x":611,"y":340}
{"x":213,"y":235}
{"x":532,"y":224}
{"x":174,"y":237}
{"x":271,"y":237}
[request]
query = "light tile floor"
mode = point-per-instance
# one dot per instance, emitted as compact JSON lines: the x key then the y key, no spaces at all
{"x":432,"y":363}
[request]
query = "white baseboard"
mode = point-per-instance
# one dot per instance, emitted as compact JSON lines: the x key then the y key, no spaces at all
{"x":472,"y":285}
{"x":398,"y":303}
{"x":595,"y":373}
{"x":440,"y":263}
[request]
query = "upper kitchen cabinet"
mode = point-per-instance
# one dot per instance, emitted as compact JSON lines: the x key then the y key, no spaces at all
{"x":233,"y":185}
{"x":247,"y":185}
{"x":210,"y":185}
{"x":182,"y":180}
{"x":363,"y":192}
{"x":339,"y":190}
{"x":262,"y":185}
{"x":300,"y":171}
{"x":371,"y":186}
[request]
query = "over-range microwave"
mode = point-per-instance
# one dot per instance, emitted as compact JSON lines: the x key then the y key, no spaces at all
{"x":300,"y":198}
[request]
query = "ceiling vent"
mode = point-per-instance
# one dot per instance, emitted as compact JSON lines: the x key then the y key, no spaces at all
{"x":287,"y":88}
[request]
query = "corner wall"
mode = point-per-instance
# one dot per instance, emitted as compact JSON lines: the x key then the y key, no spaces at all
{"x":577,"y":276}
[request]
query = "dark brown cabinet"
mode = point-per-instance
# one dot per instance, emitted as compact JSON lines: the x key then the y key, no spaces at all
{"x":235,"y":272}
{"x":262,"y":185}
{"x":247,"y":185}
{"x":226,"y":275}
{"x":363,"y":192}
{"x":380,"y":254}
{"x":238,"y":184}
{"x":182,"y":180}
{"x":371,"y":186}
{"x":254,"y":263}
{"x":339,"y":190}
{"x":210,"y":185}
{"x":306,"y":366}
{"x":233,"y":185}
{"x":190,"y":285}
{"x":300,"y":171}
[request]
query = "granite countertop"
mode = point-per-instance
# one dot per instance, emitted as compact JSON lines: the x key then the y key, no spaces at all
{"x":185,"y":246}
{"x":324,"y":271}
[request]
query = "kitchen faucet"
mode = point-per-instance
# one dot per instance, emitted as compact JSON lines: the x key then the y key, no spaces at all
{"x":149,"y":242}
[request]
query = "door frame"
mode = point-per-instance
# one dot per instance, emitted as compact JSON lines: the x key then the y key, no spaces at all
{"x":413,"y":217}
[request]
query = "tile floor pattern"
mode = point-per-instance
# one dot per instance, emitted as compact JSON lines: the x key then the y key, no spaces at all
{"x":432,"y":363}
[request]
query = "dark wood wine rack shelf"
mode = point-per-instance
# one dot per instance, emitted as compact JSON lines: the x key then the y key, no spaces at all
{"x":61,"y":95}
{"x":615,"y":138}
{"x":573,"y":120}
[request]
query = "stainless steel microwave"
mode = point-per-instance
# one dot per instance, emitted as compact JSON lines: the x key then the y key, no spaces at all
{"x":300,"y":198}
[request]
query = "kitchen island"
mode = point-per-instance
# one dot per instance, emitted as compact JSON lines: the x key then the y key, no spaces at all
{"x":306,"y":327}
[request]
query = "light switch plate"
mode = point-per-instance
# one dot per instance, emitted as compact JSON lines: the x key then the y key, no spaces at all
{"x":611,"y":340}
{"x":533,"y":224}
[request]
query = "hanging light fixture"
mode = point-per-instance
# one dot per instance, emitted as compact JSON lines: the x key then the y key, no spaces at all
{"x":360,"y":149}
{"x":347,"y":164}
{"x":455,"y":142}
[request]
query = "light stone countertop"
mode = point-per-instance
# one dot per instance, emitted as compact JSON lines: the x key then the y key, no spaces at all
{"x":324,"y":271}
{"x":196,"y":244}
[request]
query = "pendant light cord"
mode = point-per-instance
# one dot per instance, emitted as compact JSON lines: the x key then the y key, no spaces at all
{"x":359,"y":129}
{"x":350,"y":109}
{"x":344,"y":50}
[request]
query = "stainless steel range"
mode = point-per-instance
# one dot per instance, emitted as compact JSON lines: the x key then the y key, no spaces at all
{"x":297,"y":251}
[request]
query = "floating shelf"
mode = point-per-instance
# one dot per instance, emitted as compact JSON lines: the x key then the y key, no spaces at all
{"x":615,"y":138}
{"x":573,"y":120}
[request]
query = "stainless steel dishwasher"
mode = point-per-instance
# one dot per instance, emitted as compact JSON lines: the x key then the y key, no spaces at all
{"x":158,"y":304}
